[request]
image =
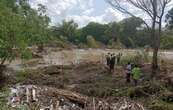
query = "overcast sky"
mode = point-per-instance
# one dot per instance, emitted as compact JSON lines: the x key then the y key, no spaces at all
{"x":83,"y":11}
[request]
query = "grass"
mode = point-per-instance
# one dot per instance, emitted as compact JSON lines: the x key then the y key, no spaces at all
{"x":160,"y":105}
{"x":4,"y":93}
{"x":138,"y":57}
{"x":21,"y":75}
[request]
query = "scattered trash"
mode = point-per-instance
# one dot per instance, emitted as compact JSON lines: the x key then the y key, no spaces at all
{"x":46,"y":98}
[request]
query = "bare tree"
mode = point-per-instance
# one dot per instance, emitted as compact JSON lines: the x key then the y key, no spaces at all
{"x":155,"y":9}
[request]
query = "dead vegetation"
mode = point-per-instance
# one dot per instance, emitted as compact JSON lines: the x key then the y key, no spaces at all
{"x":91,"y":85}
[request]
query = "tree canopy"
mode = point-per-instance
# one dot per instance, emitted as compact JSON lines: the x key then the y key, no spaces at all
{"x":20,"y":25}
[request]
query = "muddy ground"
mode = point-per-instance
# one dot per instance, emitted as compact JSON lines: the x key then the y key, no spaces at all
{"x":92,"y":79}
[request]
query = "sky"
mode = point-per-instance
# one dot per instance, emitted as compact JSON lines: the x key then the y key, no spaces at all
{"x":83,"y":11}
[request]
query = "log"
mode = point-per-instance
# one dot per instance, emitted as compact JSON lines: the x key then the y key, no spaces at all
{"x":72,"y":96}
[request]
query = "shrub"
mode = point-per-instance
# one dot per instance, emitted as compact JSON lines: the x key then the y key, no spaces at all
{"x":91,"y":42}
{"x":21,"y":75}
{"x":139,"y":58}
{"x":160,"y":105}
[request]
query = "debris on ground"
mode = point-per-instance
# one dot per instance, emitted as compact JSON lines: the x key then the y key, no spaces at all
{"x":46,"y":98}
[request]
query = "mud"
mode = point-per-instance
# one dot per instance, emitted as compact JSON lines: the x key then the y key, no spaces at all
{"x":85,"y":77}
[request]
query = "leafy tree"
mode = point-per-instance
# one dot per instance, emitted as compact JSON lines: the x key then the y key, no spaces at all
{"x":113,"y":31}
{"x":36,"y":24}
{"x":129,"y":31}
{"x":11,"y":34}
{"x":19,"y":25}
{"x":167,"y":40}
{"x":97,"y":31}
{"x":66,"y":29}
{"x":91,"y":42}
{"x":155,"y":9}
{"x":143,"y":38}
{"x":169,"y":19}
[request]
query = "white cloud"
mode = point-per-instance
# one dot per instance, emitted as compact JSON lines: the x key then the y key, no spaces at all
{"x":60,"y":9}
{"x":84,"y":19}
{"x":85,"y":11}
{"x":108,"y":16}
{"x":88,"y":12}
{"x":113,"y":15}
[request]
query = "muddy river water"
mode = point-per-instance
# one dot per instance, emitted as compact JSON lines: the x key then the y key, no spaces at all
{"x":96,"y":55}
{"x":75,"y":56}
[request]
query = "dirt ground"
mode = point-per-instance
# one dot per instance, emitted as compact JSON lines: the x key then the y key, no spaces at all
{"x":92,"y":79}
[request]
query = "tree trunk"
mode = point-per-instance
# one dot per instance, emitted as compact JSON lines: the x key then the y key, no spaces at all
{"x":156,"y":47}
{"x":155,"y":40}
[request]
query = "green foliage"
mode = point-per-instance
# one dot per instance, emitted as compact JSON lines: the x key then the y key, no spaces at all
{"x":82,"y":45}
{"x":167,"y":40}
{"x":61,"y":43}
{"x":26,"y":54}
{"x":91,"y":42}
{"x":97,"y":31}
{"x":115,"y":44}
{"x":67,"y":29}
{"x":129,"y":31}
{"x":160,"y":105}
{"x":10,"y":32}
{"x":113,"y":31}
{"x":139,"y":57}
{"x":21,"y":75}
{"x":20,"y":25}
{"x":4,"y":93}
{"x":169,"y":19}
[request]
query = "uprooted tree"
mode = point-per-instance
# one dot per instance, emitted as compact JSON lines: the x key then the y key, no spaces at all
{"x":155,"y":10}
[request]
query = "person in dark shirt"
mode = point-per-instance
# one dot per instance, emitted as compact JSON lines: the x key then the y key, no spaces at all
{"x":108,"y":58}
{"x":112,"y":62}
{"x":119,"y":58}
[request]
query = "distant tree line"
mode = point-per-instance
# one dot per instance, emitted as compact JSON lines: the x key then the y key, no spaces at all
{"x":22,"y":26}
{"x":128,"y":33}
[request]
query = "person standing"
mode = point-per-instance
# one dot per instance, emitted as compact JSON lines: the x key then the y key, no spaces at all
{"x":119,"y":58}
{"x":128,"y":72}
{"x":136,"y":74}
{"x":112,"y":63}
{"x":108,"y":59}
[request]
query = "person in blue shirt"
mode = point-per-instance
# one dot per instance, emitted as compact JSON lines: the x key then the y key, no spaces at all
{"x":128,"y":72}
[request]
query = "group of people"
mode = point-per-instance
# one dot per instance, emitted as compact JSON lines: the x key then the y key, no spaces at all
{"x":133,"y":72}
{"x":112,"y":59}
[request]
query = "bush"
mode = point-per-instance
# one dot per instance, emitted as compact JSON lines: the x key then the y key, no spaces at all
{"x":82,"y":45}
{"x":115,"y":45}
{"x":167,"y":40}
{"x":21,"y":75}
{"x":139,"y":58}
{"x":160,"y":105}
{"x":3,"y":96}
{"x":91,"y":42}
